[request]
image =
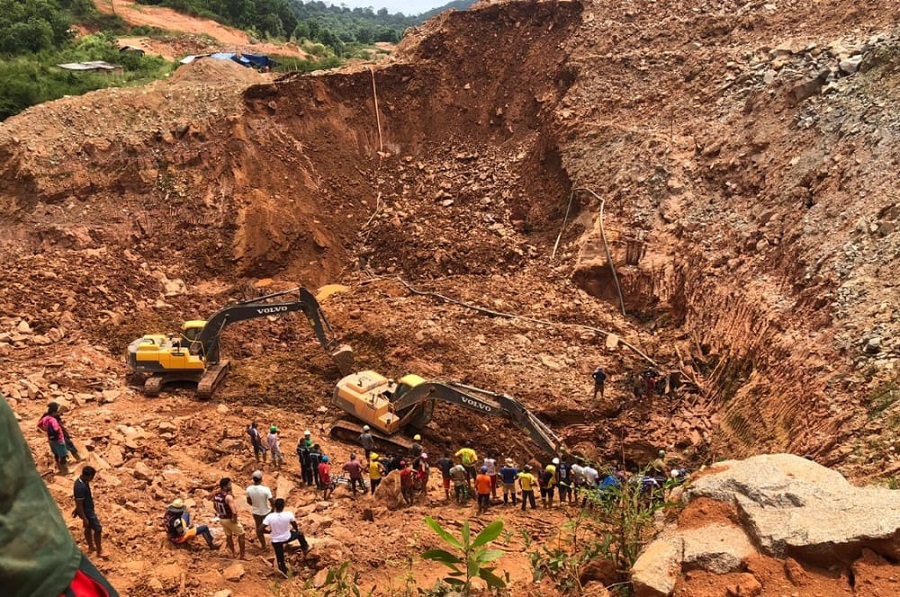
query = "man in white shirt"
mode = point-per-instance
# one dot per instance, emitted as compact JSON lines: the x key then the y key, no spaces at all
{"x":260,"y":499}
{"x":283,"y":528}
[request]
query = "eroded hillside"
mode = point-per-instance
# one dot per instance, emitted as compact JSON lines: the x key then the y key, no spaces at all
{"x":743,"y":152}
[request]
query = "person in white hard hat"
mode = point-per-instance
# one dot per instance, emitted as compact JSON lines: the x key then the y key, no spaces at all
{"x":367,"y":441}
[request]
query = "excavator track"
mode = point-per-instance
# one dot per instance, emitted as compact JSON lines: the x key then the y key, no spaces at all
{"x":211,"y":379}
{"x":347,"y":431}
{"x":153,"y":385}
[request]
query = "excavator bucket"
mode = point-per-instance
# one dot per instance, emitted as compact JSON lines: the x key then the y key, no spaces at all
{"x":343,"y":358}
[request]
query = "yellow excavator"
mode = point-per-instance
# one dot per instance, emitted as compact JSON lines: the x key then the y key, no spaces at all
{"x":193,"y":355}
{"x":388,"y":407}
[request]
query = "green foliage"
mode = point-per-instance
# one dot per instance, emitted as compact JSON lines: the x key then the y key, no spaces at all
{"x":32,"y":26}
{"x":341,"y":582}
{"x":616,"y":526}
{"x":472,"y":558}
{"x":30,"y":79}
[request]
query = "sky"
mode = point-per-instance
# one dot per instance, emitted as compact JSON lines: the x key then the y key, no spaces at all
{"x":407,"y":7}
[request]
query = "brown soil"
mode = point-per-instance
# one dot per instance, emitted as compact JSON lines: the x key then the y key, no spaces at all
{"x":754,"y":235}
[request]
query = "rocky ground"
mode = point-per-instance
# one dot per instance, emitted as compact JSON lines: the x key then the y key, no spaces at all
{"x":734,"y":160}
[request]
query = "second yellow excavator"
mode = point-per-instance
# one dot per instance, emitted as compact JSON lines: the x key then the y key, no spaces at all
{"x":388,"y":407}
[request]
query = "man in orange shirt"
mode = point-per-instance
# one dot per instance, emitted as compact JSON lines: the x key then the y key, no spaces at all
{"x":483,"y":488}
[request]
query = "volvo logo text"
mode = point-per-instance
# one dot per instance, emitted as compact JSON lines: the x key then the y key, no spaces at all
{"x":476,"y":404}
{"x":265,"y":310}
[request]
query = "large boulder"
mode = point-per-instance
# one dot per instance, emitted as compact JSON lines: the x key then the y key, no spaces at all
{"x":793,"y":507}
{"x":657,"y":569}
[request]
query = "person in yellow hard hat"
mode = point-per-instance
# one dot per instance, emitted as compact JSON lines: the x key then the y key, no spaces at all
{"x":416,"y":449}
{"x":376,"y":471}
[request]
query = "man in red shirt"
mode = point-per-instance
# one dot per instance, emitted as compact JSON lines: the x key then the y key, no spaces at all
{"x":355,"y":469}
{"x":483,"y":486}
{"x":325,"y":477}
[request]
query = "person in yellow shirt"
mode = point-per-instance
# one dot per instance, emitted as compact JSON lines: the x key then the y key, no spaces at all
{"x":376,"y":470}
{"x":527,"y":482}
{"x":548,"y":483}
{"x":467,"y":457}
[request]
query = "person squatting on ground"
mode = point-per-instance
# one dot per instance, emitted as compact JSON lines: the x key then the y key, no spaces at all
{"x":527,"y":482}
{"x":445,"y":464}
{"x":177,"y":522}
{"x":282,"y":527}
{"x":376,"y":471}
{"x":468,"y":457}
{"x":599,"y":376}
{"x":483,"y":489}
{"x":49,"y":424}
{"x":256,"y":442}
{"x":84,"y":509}
{"x":38,"y":555}
{"x":460,"y":483}
{"x":226,"y":510}
{"x":275,"y":447}
{"x":324,"y":471}
{"x":508,"y":475}
{"x":260,"y":498}
{"x":407,"y":483}
{"x":367,"y":441}
{"x":354,"y":468}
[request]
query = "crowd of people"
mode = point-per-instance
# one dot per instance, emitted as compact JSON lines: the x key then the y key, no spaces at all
{"x":491,"y":480}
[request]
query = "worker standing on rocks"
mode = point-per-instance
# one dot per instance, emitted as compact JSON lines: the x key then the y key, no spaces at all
{"x":527,"y":482}
{"x":483,"y":489}
{"x":325,"y":477}
{"x":416,"y":448}
{"x":445,"y":464}
{"x":84,"y":509}
{"x":355,"y":470}
{"x":275,"y":447}
{"x":306,"y":474}
{"x":49,"y":424}
{"x":490,"y":462}
{"x":226,"y":510}
{"x":283,"y":528}
{"x":564,"y":482}
{"x":599,"y":376}
{"x":315,"y":459}
{"x":260,"y":499}
{"x":468,"y":457}
{"x":70,"y":445}
{"x":508,"y":475}
{"x":256,"y":442}
{"x":548,"y":483}
{"x":367,"y":441}
{"x":376,"y":471}
{"x":460,"y":483}
{"x":407,"y":483}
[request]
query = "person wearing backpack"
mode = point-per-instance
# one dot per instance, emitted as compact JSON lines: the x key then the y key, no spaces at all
{"x":177,"y":522}
{"x":259,"y":448}
{"x":56,"y":437}
{"x":599,"y":376}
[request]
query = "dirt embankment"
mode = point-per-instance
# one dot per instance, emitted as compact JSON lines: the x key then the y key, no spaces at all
{"x":751,"y":228}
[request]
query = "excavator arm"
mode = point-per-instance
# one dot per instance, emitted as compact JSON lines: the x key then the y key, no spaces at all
{"x":482,"y":401}
{"x":207,"y":341}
